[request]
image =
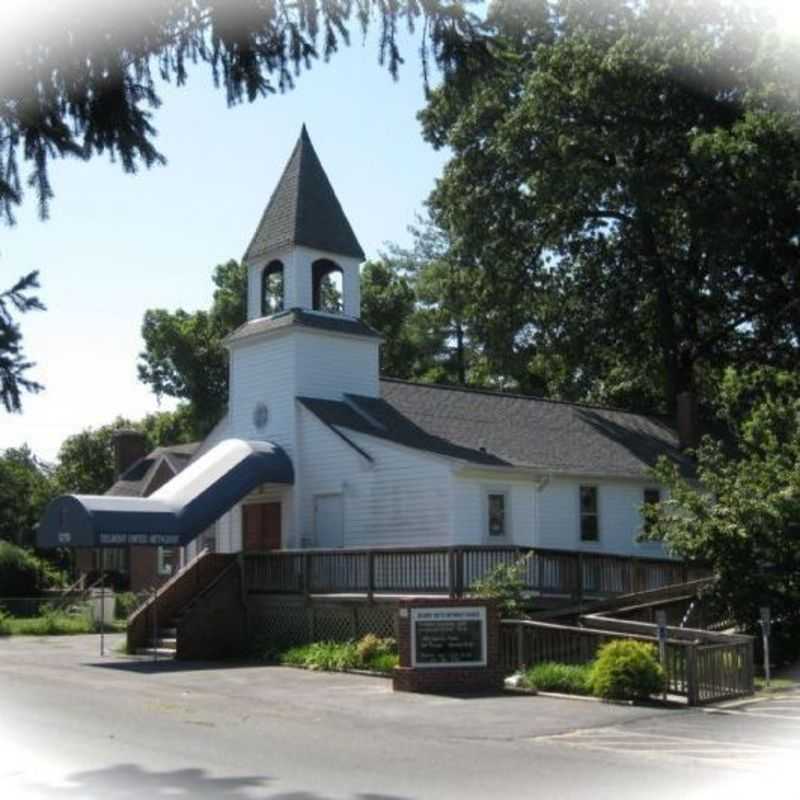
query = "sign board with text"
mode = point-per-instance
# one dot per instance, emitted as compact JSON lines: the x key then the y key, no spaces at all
{"x":448,"y":637}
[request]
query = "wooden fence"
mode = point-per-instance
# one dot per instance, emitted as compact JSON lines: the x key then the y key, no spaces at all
{"x":700,"y":666}
{"x":453,"y":570}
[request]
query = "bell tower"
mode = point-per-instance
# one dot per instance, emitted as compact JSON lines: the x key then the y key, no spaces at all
{"x":303,"y":336}
{"x":304,"y":254}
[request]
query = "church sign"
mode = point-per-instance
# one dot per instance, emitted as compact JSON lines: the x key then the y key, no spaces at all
{"x":448,"y":637}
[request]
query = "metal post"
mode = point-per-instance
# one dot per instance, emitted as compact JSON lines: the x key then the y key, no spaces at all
{"x":155,"y":624}
{"x":765,"y":629}
{"x":102,"y":602}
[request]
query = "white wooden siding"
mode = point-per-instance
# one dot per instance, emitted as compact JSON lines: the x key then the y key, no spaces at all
{"x":329,"y":365}
{"x":264,"y":371}
{"x":549,"y":517}
{"x":401,"y":499}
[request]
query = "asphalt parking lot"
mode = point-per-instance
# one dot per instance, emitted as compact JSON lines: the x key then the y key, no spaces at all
{"x":75,"y":724}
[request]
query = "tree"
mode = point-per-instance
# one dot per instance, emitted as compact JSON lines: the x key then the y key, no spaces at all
{"x":624,"y":178}
{"x":440,"y":282}
{"x":86,"y":86}
{"x":13,"y":363}
{"x":86,"y":460}
{"x":387,"y":302}
{"x":417,"y":298}
{"x":26,"y":486}
{"x":85,"y":463}
{"x":184,"y":356}
{"x":164,"y":428}
{"x":742,"y":515}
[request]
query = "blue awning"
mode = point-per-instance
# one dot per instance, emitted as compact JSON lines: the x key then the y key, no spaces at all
{"x":178,"y":512}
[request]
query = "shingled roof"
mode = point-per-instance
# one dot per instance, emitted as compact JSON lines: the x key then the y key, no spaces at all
{"x":495,"y":429}
{"x":304,"y":210}
{"x":134,"y":482}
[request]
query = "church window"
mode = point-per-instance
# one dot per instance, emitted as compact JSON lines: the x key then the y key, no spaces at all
{"x":327,"y":286}
{"x":496,"y":506}
{"x":272,"y":288}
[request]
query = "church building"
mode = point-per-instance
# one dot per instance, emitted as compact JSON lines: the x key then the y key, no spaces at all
{"x":319,"y":450}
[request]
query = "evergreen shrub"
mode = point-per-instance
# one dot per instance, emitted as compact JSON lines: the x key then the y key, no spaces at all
{"x":627,"y":670}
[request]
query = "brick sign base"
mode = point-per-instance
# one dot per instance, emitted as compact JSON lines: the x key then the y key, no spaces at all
{"x":442,"y":679}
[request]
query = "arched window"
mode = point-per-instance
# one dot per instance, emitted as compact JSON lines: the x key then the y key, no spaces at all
{"x":272,"y":288}
{"x":327,"y":286}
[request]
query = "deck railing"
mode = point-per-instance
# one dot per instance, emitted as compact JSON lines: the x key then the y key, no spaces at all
{"x":452,"y":570}
{"x":700,"y":665}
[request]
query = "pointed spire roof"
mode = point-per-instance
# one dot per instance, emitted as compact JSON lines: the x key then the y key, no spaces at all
{"x":304,"y":210}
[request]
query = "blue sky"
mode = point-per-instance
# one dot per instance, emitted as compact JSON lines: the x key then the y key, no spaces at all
{"x":116,"y":244}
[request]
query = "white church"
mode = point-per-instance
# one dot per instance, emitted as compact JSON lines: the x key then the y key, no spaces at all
{"x":319,"y":450}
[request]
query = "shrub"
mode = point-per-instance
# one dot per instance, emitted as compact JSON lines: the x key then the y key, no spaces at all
{"x":627,"y":670}
{"x":384,"y":662}
{"x":125,"y":604}
{"x":5,"y":622}
{"x":505,"y":584}
{"x":23,"y":573}
{"x":553,"y":677}
{"x":327,"y":656}
{"x":371,"y":647}
{"x":371,"y":652}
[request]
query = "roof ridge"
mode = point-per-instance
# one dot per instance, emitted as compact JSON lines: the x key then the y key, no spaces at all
{"x":519,"y":396}
{"x":300,"y":146}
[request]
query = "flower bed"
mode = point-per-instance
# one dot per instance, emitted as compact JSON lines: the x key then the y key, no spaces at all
{"x":369,"y":653}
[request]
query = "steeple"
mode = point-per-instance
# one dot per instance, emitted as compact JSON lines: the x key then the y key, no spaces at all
{"x":304,"y":211}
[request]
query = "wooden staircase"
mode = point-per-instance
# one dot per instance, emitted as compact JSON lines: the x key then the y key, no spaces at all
{"x":153,"y":627}
{"x":165,"y":646}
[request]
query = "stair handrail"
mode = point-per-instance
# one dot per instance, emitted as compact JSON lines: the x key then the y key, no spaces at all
{"x":80,"y":596}
{"x":152,"y":598}
{"x":235,"y":564}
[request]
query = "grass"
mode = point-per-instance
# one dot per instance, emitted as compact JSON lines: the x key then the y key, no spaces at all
{"x":370,"y":653}
{"x":553,"y":677}
{"x":775,"y":685}
{"x":52,"y":623}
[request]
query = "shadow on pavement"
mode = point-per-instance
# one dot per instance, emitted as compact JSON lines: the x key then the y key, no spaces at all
{"x":169,"y":665}
{"x":132,"y":782}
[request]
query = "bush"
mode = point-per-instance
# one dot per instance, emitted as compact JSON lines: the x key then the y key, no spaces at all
{"x":627,"y":670}
{"x":383,"y":662}
{"x":23,"y":573}
{"x":5,"y":622}
{"x":371,"y":652}
{"x":125,"y":604}
{"x":505,"y":584}
{"x":327,"y":656}
{"x":372,"y":646}
{"x":553,"y":677}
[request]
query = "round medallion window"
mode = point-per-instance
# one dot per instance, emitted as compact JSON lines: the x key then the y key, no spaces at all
{"x":260,"y":416}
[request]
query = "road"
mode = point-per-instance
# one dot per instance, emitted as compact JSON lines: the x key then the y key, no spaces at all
{"x":75,"y":725}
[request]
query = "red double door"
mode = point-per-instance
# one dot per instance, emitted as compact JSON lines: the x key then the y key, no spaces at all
{"x":261,"y":526}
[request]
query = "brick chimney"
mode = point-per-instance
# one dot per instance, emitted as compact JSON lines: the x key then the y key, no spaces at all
{"x":688,"y":421}
{"x":129,"y":447}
